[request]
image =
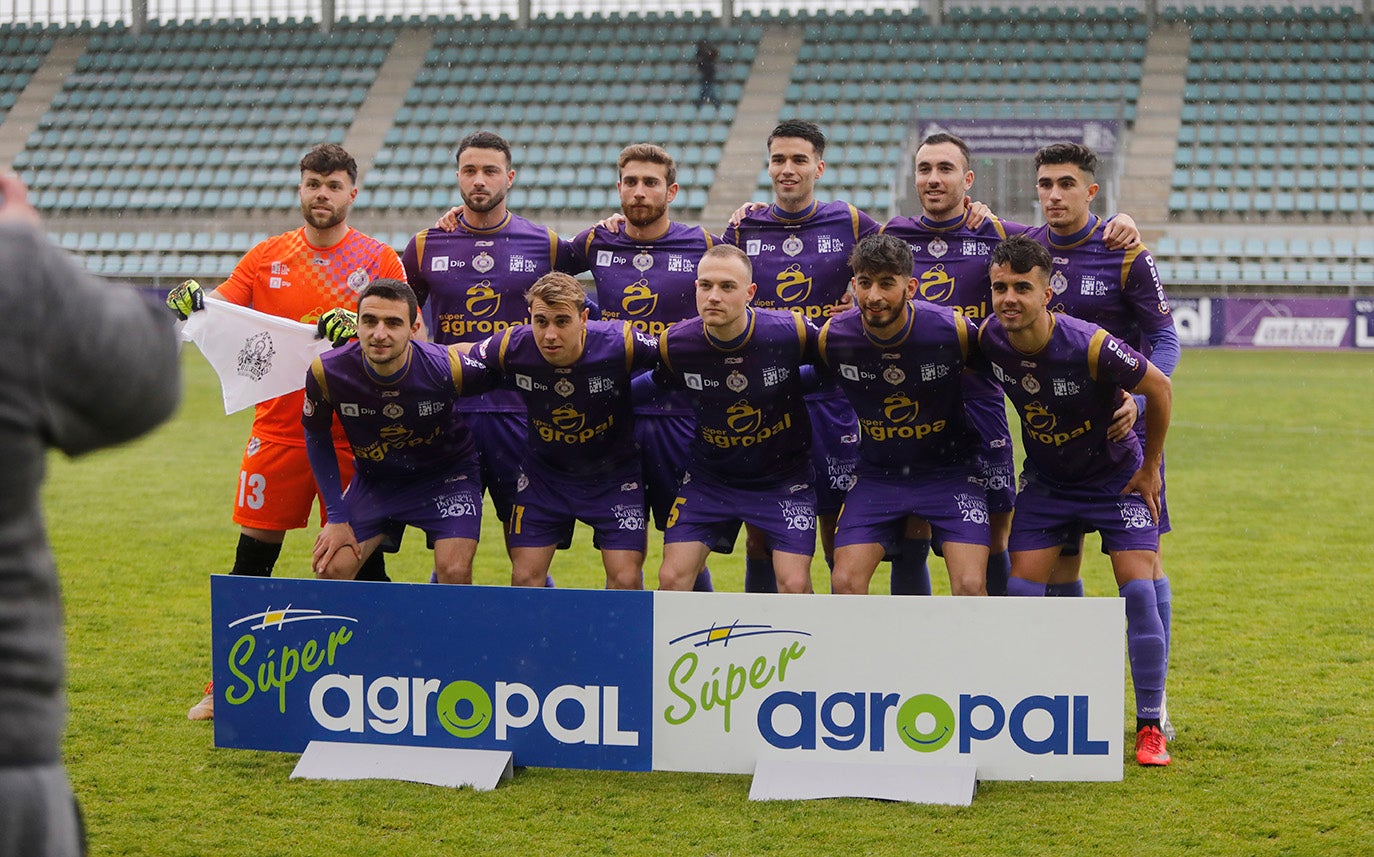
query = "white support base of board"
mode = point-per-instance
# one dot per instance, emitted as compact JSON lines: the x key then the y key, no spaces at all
{"x":796,"y":779}
{"x":436,"y":766}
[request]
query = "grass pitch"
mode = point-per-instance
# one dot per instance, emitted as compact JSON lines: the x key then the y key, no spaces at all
{"x":1271,"y":466}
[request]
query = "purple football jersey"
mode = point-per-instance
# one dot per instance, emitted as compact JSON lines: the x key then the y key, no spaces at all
{"x":472,"y":283}
{"x":1118,"y":290}
{"x":398,"y":427}
{"x":649,"y":284}
{"x":1065,"y":395}
{"x":801,"y":261}
{"x":907,"y":391}
{"x":951,"y":267}
{"x":580,"y":418}
{"x":752,"y":424}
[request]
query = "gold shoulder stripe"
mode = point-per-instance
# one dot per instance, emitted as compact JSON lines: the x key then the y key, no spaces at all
{"x":663,"y":347}
{"x":455,"y":368}
{"x":854,"y":220}
{"x":505,"y":343}
{"x":961,"y":331}
{"x":1127,"y":261}
{"x":997,"y":224}
{"x":1095,"y":351}
{"x":801,"y":331}
{"x":553,"y":249}
{"x":317,"y":369}
{"x":629,"y":336}
{"x":822,"y":339}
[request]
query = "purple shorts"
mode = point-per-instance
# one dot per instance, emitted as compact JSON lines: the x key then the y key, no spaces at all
{"x":663,"y":442}
{"x":996,"y":461}
{"x":446,"y":508}
{"x":1164,"y":527}
{"x":1049,"y":517}
{"x":549,"y":503}
{"x":710,"y":513}
{"x":500,"y":439}
{"x":877,"y":507}
{"x":834,"y":450}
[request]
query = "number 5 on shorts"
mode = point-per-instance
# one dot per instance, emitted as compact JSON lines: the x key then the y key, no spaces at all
{"x":672,"y":513}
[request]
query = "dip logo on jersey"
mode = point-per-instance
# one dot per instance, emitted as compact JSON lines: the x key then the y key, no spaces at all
{"x":937,"y":286}
{"x":483,"y":301}
{"x":639,"y":300}
{"x":720,"y":664}
{"x":438,"y":263}
{"x":255,"y":357}
{"x":794,"y":286}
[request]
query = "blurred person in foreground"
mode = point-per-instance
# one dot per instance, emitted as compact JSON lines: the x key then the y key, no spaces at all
{"x":112,"y":376}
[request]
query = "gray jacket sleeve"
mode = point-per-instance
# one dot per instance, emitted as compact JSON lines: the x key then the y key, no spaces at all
{"x":102,"y":361}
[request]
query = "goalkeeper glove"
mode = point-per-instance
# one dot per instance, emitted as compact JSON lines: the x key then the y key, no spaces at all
{"x":186,"y":299}
{"x":338,"y":325}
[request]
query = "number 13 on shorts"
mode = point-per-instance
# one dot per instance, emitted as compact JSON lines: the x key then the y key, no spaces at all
{"x":251,"y":489}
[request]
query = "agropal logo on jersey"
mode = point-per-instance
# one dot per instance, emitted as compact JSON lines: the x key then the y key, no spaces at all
{"x":311,"y":671}
{"x":756,"y":677}
{"x":639,"y":300}
{"x":482,"y":300}
{"x":937,"y":286}
{"x":794,"y":287}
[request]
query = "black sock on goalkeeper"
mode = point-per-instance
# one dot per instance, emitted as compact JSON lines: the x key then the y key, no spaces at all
{"x":255,"y":558}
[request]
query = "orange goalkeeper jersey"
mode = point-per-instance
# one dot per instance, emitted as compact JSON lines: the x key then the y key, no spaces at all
{"x":285,"y":276}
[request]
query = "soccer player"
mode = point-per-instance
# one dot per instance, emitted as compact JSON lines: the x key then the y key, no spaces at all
{"x":471,"y":283}
{"x":644,"y":266}
{"x":799,"y":248}
{"x":900,"y":364}
{"x":309,"y":274}
{"x":1064,"y":376}
{"x":1119,"y":290}
{"x":85,"y":365}
{"x":581,"y":461}
{"x":416,"y":465}
{"x":951,"y":257}
{"x":750,"y":458}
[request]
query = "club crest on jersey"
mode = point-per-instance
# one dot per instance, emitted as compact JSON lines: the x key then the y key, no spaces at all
{"x":736,"y":382}
{"x":522,"y":483}
{"x":358,"y":280}
{"x":894,"y":375}
{"x":252,"y":448}
{"x":793,"y":245}
{"x":1030,"y":385}
{"x":1059,"y":282}
{"x":937,"y":248}
{"x":255,"y":357}
{"x":642,"y":261}
{"x":564,"y":387}
{"x":393,"y":411}
{"x":483,"y":262}
{"x":308,"y":407}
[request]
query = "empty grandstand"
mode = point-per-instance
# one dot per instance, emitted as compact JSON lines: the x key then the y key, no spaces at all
{"x":163,"y":147}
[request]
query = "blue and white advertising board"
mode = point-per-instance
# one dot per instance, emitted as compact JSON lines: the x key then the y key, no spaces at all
{"x":712,"y":682}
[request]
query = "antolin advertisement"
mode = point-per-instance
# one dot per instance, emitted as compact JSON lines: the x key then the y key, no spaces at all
{"x":1021,"y":688}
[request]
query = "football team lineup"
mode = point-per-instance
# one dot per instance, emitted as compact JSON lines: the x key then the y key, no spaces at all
{"x":803,"y":385}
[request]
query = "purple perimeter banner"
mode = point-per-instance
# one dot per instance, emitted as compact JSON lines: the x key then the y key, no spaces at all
{"x":1275,"y":322}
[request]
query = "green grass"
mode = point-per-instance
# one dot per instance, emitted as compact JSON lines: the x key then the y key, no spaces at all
{"x":1271,"y":466}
